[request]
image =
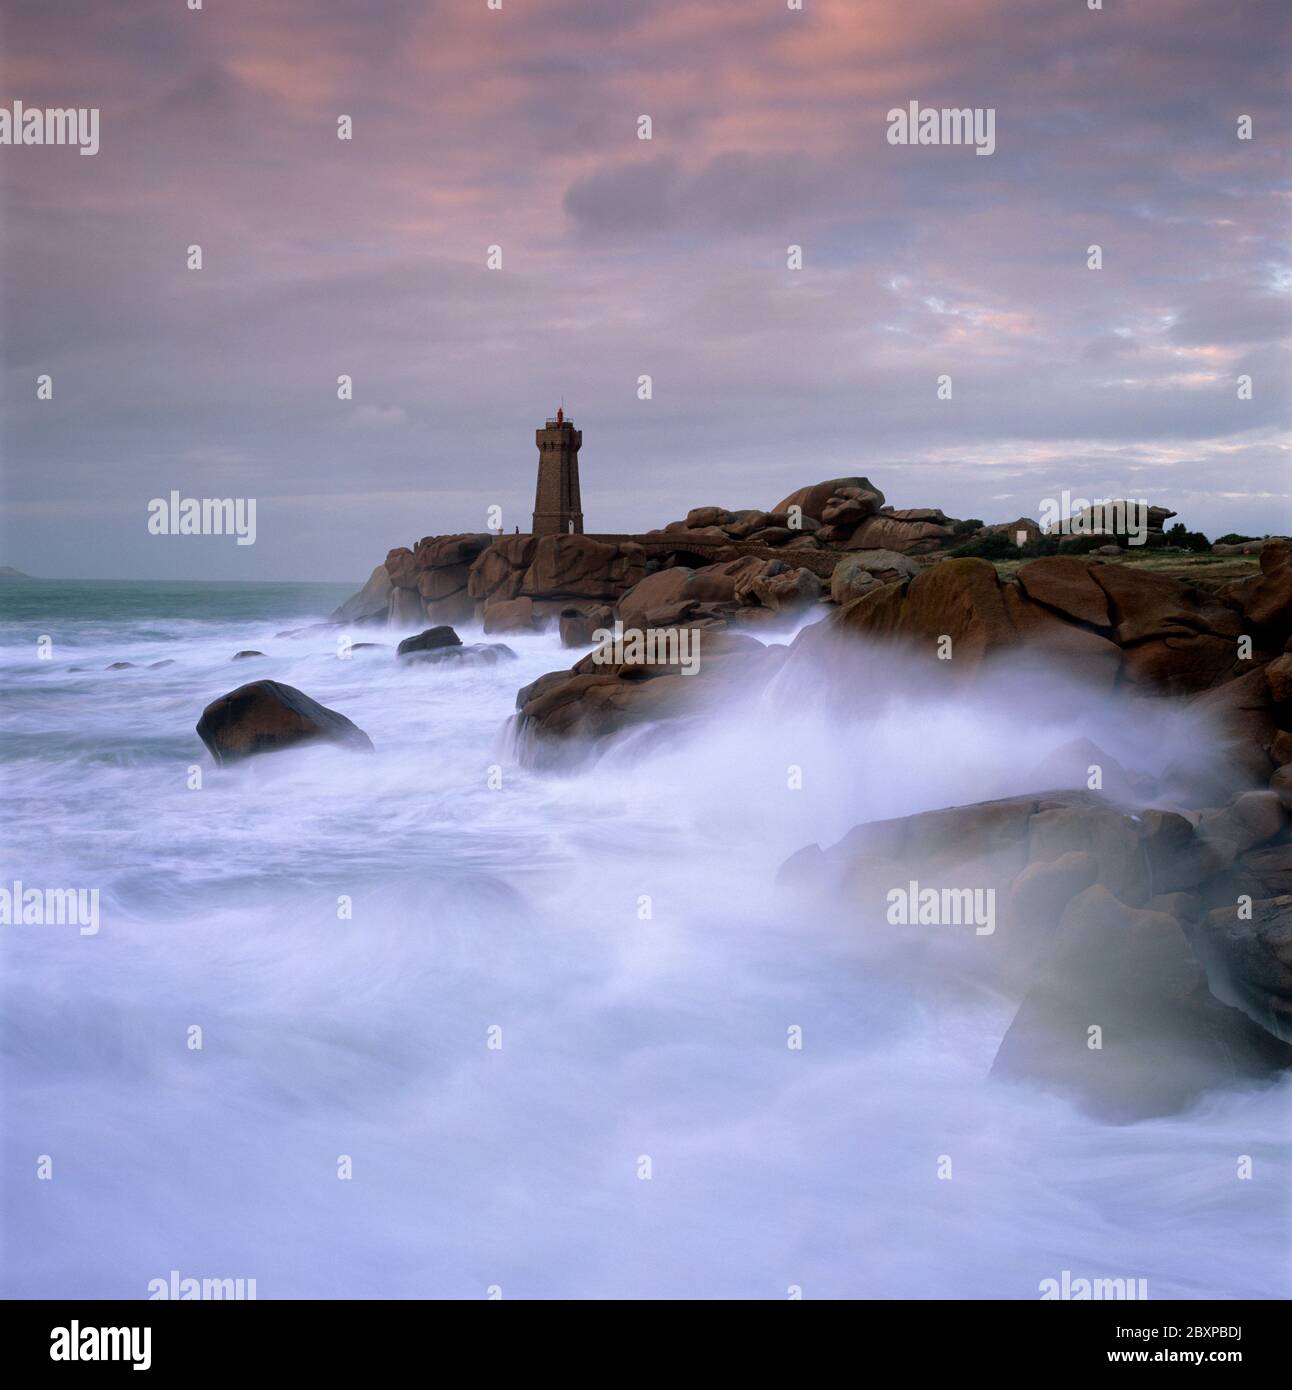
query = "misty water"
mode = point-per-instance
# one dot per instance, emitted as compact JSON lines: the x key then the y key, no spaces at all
{"x":517,"y":907}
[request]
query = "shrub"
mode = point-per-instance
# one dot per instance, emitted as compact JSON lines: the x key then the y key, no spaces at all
{"x":995,"y":545}
{"x":1185,"y":539}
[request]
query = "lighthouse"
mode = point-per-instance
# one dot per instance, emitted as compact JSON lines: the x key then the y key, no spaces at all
{"x":558,"y":510}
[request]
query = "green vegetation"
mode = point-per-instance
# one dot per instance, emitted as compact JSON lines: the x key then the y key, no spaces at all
{"x":995,"y":545}
{"x":1184,"y":539}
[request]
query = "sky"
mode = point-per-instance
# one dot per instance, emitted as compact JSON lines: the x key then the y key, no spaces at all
{"x":518,"y":127}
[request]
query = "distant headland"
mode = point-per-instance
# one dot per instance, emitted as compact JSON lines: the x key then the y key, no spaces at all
{"x":827,"y":542}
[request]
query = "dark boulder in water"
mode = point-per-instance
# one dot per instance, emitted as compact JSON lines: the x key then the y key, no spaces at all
{"x":443,"y":646}
{"x":120,"y":666}
{"x":1135,"y":1001}
{"x":1121,"y":1018}
{"x":267,"y":715}
{"x":1248,"y":950}
{"x":477,"y":654}
{"x":242,"y":656}
{"x":433,"y":639}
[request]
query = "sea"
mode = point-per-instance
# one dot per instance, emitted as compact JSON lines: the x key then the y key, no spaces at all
{"x":431,"y":1022}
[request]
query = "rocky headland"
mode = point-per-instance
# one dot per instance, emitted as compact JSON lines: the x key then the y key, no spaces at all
{"x":1157,"y":912}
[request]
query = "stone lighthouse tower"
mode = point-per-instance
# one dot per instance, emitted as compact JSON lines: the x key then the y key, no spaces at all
{"x":558,"y":510}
